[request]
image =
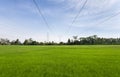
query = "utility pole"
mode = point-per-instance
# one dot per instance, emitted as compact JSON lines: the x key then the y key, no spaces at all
{"x":60,"y":38}
{"x":48,"y":37}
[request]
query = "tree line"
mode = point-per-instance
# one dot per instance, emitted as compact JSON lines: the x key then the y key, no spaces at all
{"x":29,"y":41}
{"x":91,"y":40}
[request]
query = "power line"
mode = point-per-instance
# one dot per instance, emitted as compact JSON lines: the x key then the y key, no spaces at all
{"x":79,"y":12}
{"x":44,"y":19}
{"x":109,"y":18}
{"x":74,"y":19}
{"x":40,"y":12}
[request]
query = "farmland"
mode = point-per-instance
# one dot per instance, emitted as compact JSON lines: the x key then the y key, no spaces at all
{"x":60,"y":61}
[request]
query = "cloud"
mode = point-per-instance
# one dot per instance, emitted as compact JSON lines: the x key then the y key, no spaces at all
{"x":59,"y":14}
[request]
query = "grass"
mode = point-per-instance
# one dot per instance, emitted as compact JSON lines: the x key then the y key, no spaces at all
{"x":60,"y":61}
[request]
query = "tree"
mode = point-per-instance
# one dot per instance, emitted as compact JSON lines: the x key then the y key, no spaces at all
{"x":26,"y":42}
{"x":75,"y":38}
{"x":69,"y":42}
{"x":30,"y":42}
{"x":35,"y":43}
{"x":4,"y":41}
{"x":16,"y":42}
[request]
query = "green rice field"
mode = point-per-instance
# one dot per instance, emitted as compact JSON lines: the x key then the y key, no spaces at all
{"x":60,"y":61}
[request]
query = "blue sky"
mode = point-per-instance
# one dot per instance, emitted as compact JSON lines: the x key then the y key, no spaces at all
{"x":20,"y":19}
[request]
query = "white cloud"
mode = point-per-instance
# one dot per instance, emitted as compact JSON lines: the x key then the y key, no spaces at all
{"x":94,"y":11}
